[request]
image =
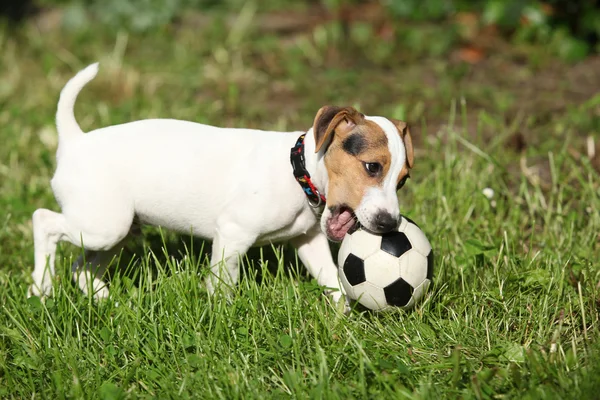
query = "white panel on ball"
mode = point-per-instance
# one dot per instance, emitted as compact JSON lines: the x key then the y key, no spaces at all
{"x":370,"y":296}
{"x":382,"y":268}
{"x":403,"y":223}
{"x":364,"y":244}
{"x":413,"y":268}
{"x":418,"y":239}
{"x":421,"y":290}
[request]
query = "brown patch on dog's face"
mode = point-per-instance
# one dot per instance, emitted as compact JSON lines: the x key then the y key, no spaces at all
{"x":333,"y":119}
{"x":357,"y":155}
{"x":362,"y":172}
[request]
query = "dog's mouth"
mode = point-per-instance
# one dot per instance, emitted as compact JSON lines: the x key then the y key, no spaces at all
{"x":341,"y":221}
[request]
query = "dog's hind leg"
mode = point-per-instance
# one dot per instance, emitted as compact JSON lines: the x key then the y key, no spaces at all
{"x":89,"y":268}
{"x":50,"y":227}
{"x":229,"y":244}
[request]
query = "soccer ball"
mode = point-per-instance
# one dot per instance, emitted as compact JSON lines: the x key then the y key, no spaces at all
{"x":385,"y":271}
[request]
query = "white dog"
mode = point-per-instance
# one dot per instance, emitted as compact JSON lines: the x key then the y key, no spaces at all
{"x":236,"y":187}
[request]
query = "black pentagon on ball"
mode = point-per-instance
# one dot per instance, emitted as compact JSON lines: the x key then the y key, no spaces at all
{"x":395,"y":243}
{"x":430,"y":266}
{"x":398,"y":293}
{"x":354,"y":269}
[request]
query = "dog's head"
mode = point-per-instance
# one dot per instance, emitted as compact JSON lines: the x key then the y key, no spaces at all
{"x":367,"y":160}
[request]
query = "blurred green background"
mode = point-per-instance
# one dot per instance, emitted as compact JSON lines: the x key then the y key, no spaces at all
{"x":499,"y":94}
{"x":511,"y":55}
{"x":572,"y":28}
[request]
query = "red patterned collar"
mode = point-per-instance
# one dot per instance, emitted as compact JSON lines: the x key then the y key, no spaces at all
{"x":315,"y":198}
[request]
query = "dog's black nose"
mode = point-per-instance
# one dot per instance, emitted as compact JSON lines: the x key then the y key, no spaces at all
{"x":385,"y":222}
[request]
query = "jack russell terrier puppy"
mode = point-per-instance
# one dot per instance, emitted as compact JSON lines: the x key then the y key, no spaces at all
{"x":237,"y":187}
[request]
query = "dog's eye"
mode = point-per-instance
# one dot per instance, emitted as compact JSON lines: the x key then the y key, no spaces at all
{"x":402,"y":182}
{"x":373,"y":168}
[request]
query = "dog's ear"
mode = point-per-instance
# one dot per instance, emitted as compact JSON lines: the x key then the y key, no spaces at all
{"x":405,"y":134}
{"x":330,"y":118}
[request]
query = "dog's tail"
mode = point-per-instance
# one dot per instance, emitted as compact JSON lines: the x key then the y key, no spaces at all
{"x":66,"y":124}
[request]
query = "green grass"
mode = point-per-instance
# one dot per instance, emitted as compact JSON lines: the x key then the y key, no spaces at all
{"x":513,"y":312}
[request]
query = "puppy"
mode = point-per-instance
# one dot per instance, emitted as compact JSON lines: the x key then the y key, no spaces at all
{"x":237,"y":187}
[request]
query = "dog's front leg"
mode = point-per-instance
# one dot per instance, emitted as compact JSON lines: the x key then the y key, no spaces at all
{"x":315,"y":254}
{"x":229,"y":244}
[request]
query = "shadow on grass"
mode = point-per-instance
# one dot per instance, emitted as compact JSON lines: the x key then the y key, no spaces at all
{"x":168,"y":253}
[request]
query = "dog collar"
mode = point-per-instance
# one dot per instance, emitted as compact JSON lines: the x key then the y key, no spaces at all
{"x":315,"y":198}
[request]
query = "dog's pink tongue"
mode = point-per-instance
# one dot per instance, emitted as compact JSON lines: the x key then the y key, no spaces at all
{"x":340,"y":224}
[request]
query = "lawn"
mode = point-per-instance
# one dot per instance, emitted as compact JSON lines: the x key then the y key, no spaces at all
{"x":514,"y":309}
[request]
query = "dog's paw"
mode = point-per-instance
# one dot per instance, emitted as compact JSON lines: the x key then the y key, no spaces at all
{"x":210,"y":288}
{"x":101,"y":293}
{"x":339,"y":300}
{"x":343,"y":306}
{"x":42,"y":290}
{"x":216,"y":287}
{"x":90,"y":283}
